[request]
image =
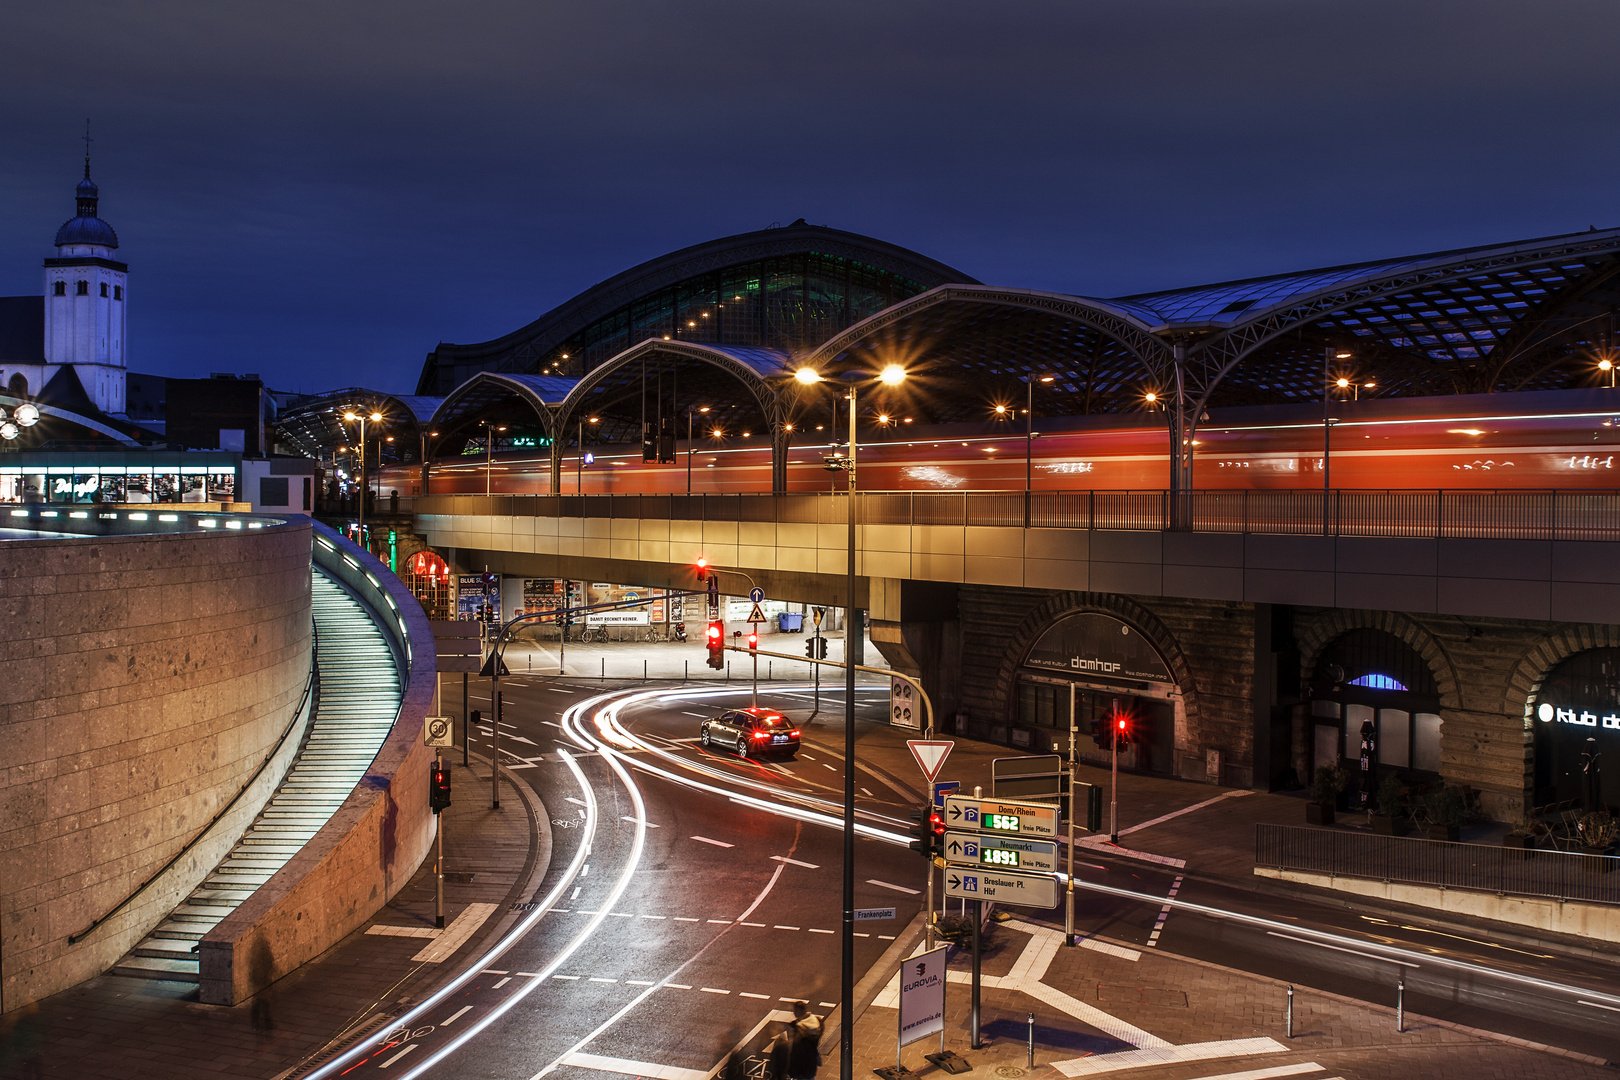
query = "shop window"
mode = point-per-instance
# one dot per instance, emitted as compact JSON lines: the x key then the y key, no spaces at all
{"x":59,"y":289}
{"x":1373,"y":675}
{"x":1576,"y":715}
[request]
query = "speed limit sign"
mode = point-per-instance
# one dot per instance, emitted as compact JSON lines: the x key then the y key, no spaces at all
{"x":438,"y":731}
{"x":903,"y":704}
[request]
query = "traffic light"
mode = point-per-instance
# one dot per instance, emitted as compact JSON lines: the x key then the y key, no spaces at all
{"x":810,"y":647}
{"x":1122,"y":730}
{"x":753,"y":640}
{"x":438,"y":787}
{"x":716,"y":640}
{"x":714,"y":591}
{"x":928,"y":833}
{"x":1102,"y":732}
{"x":821,"y":648}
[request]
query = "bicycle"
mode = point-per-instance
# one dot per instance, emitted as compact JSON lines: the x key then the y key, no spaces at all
{"x":653,"y":635}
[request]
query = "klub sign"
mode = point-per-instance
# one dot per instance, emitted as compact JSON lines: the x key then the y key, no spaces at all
{"x":1547,"y":713}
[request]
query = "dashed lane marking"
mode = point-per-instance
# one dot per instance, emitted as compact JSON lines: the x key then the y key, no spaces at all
{"x":813,"y":930}
{"x":1164,"y":913}
{"x":890,"y":885}
{"x":502,"y":983}
{"x":686,"y":918}
{"x":722,"y":922}
{"x":576,"y":802}
{"x":676,"y":986}
{"x":639,"y":821}
{"x":595,"y":979}
{"x":788,"y":928}
{"x":457,"y":1015}
{"x":492,"y":971}
{"x":713,"y":990}
{"x":655,"y":916}
{"x":761,"y":997}
{"x":716,"y":843}
{"x":868,"y":794}
{"x":397,"y":1056}
{"x":567,"y":978}
{"x":751,"y":924}
{"x":794,"y":862}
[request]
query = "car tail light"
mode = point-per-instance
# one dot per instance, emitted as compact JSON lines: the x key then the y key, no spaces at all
{"x":759,"y":734}
{"x":794,"y":733}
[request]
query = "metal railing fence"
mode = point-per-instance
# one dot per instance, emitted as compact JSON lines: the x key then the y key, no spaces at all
{"x":1508,"y":515}
{"x":1505,"y":871}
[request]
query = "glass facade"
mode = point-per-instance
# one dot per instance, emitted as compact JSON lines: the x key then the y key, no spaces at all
{"x":118,"y":478}
{"x":791,"y":302}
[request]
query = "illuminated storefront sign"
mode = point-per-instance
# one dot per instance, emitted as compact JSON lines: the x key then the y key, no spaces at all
{"x":1548,"y":713}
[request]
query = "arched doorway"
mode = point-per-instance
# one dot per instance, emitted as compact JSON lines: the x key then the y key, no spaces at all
{"x":1092,"y":667}
{"x":1576,"y":712}
{"x":1372,"y":675}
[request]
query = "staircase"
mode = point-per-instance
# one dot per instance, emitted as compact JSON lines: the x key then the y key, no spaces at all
{"x":358,"y":696}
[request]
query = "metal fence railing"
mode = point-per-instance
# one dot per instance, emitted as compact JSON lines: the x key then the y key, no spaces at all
{"x":1507,"y":871}
{"x":1507,"y":515}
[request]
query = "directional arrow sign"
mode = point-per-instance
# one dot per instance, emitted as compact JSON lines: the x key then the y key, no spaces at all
{"x":1001,"y":816}
{"x":1003,"y":886}
{"x":756,"y":594}
{"x":1000,"y":852}
{"x":930,"y":755}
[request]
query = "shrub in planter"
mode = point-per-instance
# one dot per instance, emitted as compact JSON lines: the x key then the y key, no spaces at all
{"x":1599,"y":831}
{"x":1445,"y":807}
{"x":1388,"y":819}
{"x":1324,"y":790}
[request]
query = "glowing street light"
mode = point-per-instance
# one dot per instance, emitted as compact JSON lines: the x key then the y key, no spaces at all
{"x":892,"y":375}
{"x":808,"y":376}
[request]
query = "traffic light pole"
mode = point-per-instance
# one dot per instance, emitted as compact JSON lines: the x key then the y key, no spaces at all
{"x":1113,"y":795}
{"x":438,"y":857}
{"x":1068,"y":898}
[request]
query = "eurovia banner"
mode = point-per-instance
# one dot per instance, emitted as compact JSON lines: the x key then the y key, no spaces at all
{"x":922,"y":996}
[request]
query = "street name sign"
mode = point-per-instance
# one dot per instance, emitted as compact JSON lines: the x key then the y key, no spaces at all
{"x":1001,"y":816}
{"x":1002,"y":886}
{"x":867,"y":914}
{"x":1000,"y":852}
{"x":930,"y":755}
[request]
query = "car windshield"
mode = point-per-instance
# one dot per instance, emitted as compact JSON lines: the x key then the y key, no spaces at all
{"x":775,"y":723}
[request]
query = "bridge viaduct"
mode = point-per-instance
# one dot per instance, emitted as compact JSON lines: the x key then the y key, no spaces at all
{"x":1246,"y":626}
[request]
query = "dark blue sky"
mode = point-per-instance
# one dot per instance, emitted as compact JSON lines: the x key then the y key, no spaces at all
{"x":320,"y":192}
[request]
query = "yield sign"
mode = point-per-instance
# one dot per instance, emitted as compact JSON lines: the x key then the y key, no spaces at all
{"x":930,"y":755}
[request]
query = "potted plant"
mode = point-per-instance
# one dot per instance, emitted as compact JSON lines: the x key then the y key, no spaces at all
{"x":1388,"y":820}
{"x":1599,"y":831}
{"x":1324,"y":790}
{"x":1445,"y":806}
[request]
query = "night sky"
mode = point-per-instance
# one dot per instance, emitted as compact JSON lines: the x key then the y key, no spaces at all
{"x":320,"y":192}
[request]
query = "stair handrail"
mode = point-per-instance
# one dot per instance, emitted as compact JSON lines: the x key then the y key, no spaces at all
{"x":310,"y":688}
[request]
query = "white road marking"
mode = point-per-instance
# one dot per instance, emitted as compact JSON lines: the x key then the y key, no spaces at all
{"x":1162,"y":818}
{"x":397,"y":1056}
{"x":1110,"y":950}
{"x":722,"y":922}
{"x":586,"y":869}
{"x":576,"y":802}
{"x":567,"y":978}
{"x":521,"y":739}
{"x":1337,"y":948}
{"x":888,"y":885}
{"x":654,"y":916}
{"x":637,"y":982}
{"x":685,"y":918}
{"x":455,"y":935}
{"x":577,"y":890}
{"x":716,"y":843}
{"x":699,"y":715}
{"x":404,"y":931}
{"x":622,"y":915}
{"x":795,"y":862}
{"x":631,"y":1068}
{"x":1595,"y":1005}
{"x":556,"y":690}
{"x":828,"y":767}
{"x":676,"y":986}
{"x":813,"y":930}
{"x":594,"y":979}
{"x":712,"y":990}
{"x":492,"y":971}
{"x":638,"y":821}
{"x":779,"y":927}
{"x":457,"y":1015}
{"x":1158,"y":926}
{"x":752,"y":924}
{"x":502,"y":983}
{"x":761,"y":997}
{"x":868,"y":794}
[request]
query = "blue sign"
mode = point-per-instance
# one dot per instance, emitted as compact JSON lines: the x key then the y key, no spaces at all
{"x":943,"y":788}
{"x":756,"y":594}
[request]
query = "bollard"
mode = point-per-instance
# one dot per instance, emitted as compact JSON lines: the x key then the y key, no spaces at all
{"x":643,"y":669}
{"x":1290,"y":1014}
{"x":1400,"y":1005}
{"x":686,"y":670}
{"x":1032,"y":1040}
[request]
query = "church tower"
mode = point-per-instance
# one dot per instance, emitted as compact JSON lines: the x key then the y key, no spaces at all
{"x":85,"y":291}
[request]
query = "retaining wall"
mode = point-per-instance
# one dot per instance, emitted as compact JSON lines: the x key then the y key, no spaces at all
{"x":144,"y":679}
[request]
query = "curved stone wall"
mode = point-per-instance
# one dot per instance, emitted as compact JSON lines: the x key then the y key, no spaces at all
{"x":144,"y":679}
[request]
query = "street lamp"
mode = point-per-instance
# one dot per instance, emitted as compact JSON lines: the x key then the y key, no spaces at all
{"x":1329,"y":355}
{"x":579,"y":462}
{"x":891,"y":375}
{"x":1029,"y":441}
{"x":375,"y":418}
{"x":1606,"y":366}
{"x":490,"y":428}
{"x":690,"y":445}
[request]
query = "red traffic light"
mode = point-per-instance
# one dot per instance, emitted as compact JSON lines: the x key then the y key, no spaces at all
{"x":702,"y":564}
{"x":753,"y":640}
{"x":1121,"y":723}
{"x":714,"y":632}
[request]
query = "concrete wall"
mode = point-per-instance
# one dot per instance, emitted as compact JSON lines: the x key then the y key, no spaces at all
{"x":368,"y":850}
{"x":143,"y":681}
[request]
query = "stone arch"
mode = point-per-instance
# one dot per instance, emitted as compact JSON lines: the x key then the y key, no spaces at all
{"x":1547,"y":653}
{"x":1338,"y":622}
{"x":1040,"y":618}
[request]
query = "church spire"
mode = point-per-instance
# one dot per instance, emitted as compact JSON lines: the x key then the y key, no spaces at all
{"x":87,"y":190}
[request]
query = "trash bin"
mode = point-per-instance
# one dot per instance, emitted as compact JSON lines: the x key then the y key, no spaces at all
{"x":790,"y":622}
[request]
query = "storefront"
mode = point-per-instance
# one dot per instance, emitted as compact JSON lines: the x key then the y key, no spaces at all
{"x":119,"y":477}
{"x":1576,"y":716}
{"x":1371,"y":675}
{"x":1095,"y":668}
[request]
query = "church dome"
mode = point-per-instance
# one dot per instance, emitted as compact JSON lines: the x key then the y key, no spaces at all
{"x":86,"y":227}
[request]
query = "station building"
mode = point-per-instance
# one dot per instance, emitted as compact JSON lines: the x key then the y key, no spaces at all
{"x":1483,"y":652}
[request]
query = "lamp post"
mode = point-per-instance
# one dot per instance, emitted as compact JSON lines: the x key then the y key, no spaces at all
{"x":422,"y":461}
{"x":1329,"y":355}
{"x":375,"y":418}
{"x":892,"y":375}
{"x":579,"y":462}
{"x":490,"y":428}
{"x":1029,"y":442}
{"x":690,"y":445}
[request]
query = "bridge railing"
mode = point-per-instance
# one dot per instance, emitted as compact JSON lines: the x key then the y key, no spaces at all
{"x":1407,"y":860}
{"x":1429,"y":514}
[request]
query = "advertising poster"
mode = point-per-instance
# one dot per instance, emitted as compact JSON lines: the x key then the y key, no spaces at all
{"x":470,"y":595}
{"x":922,"y":996}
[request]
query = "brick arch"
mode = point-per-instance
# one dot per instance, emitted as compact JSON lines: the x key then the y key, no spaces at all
{"x":1049,"y":611}
{"x":1547,"y":653}
{"x":1339,"y":622}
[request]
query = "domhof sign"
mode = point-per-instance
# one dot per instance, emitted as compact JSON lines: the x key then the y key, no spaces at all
{"x":1095,"y":644}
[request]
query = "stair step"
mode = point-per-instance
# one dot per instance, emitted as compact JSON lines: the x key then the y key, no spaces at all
{"x":146,"y":967}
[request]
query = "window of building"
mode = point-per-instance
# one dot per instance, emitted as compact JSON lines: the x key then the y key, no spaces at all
{"x":83,"y":289}
{"x":118,"y":292}
{"x":103,"y":288}
{"x":1371,"y":675}
{"x":1576,"y":716}
{"x":59,"y":289}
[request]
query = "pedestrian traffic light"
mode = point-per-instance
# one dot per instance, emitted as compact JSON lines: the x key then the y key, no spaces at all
{"x":716,"y":639}
{"x":438,"y":787}
{"x":821,"y":648}
{"x":1122,"y":730}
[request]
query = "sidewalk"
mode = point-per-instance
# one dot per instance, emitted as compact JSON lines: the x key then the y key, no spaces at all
{"x":131,"y":1029}
{"x":1148,"y":1016}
